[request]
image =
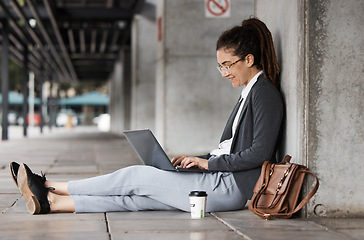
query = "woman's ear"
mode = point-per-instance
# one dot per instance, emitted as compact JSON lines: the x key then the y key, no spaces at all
{"x":250,"y":60}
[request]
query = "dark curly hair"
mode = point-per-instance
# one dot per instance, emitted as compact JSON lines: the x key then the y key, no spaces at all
{"x":252,"y":37}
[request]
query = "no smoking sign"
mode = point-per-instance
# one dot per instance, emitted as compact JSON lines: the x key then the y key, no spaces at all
{"x":217,"y":8}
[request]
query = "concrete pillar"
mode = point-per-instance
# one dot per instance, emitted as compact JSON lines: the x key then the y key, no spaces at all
{"x":132,"y":85}
{"x":143,"y":56}
{"x":52,"y":104}
{"x":41,"y":113}
{"x":5,"y":78}
{"x":320,"y":50}
{"x":127,"y":87}
{"x":193,"y":101}
{"x":25,"y":91}
{"x":116,"y":108}
{"x":31,"y":98}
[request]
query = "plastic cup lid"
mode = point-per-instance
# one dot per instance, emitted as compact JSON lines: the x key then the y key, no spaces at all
{"x":198,"y":194}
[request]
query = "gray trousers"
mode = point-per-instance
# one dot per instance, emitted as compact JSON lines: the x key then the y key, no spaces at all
{"x":140,"y":188}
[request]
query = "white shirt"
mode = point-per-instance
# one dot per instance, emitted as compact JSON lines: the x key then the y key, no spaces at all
{"x":225,"y":146}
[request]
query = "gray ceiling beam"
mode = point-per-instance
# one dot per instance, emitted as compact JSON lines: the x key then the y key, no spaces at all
{"x":138,"y":6}
{"x":33,"y":64}
{"x":16,"y":52}
{"x":93,"y":41}
{"x":20,"y":32}
{"x":34,"y":61}
{"x":109,"y":3}
{"x":71,"y":40}
{"x":60,"y":40}
{"x":105,"y":56}
{"x":16,"y":42}
{"x":45,"y":34}
{"x":103,"y":41}
{"x":114,"y":39}
{"x":69,"y":32}
{"x":99,"y":14}
{"x":82,"y":41}
{"x":34,"y":36}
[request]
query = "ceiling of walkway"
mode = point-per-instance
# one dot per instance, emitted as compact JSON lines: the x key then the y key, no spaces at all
{"x":68,"y":39}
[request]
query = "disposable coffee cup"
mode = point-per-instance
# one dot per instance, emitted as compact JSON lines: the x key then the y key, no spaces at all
{"x":198,"y":204}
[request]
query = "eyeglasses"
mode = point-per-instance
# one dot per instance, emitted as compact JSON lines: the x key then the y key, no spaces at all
{"x":227,"y":68}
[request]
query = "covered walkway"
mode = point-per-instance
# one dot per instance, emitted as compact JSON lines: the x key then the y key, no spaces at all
{"x":162,"y":75}
{"x":84,"y":152}
{"x":60,"y":42}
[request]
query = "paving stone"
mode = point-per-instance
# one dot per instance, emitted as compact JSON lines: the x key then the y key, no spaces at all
{"x":37,"y":168}
{"x":75,"y":161}
{"x":353,"y":227}
{"x":53,"y":216}
{"x":288,"y":233}
{"x":246,"y":219}
{"x":7,"y":185}
{"x":8,"y":199}
{"x":166,"y":225}
{"x":5,"y":172}
{"x":84,"y":169}
{"x":46,"y":226}
{"x":212,"y":235}
{"x":64,"y":177}
{"x":350,"y":223}
{"x":55,"y":235}
{"x":84,"y":152}
{"x":3,"y":210}
{"x":353,"y":233}
{"x":19,"y":206}
{"x":150,"y":215}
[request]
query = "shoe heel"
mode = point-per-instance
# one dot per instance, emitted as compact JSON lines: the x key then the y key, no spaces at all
{"x":33,"y":205}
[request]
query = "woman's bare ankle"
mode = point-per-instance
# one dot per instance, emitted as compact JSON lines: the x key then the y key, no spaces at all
{"x":59,"y":188}
{"x":60,"y":203}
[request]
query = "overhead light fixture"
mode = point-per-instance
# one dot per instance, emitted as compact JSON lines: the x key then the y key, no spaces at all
{"x":121,"y":24}
{"x":32,"y":22}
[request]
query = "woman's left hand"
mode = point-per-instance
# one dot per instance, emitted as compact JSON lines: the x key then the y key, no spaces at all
{"x":188,"y":162}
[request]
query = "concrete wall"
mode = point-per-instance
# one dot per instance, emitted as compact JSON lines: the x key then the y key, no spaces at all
{"x":320,"y":48}
{"x":132,"y":84}
{"x":336,"y":108}
{"x":176,"y":90}
{"x":288,"y":36}
{"x":144,"y":45}
{"x":193,"y":101}
{"x":116,"y":109}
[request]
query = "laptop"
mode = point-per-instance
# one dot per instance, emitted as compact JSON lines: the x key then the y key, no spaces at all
{"x":151,"y":153}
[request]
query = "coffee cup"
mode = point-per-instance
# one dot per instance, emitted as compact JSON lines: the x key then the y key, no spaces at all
{"x":198,"y":204}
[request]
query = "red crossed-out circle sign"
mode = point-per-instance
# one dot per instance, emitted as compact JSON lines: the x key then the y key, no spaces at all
{"x":217,"y":7}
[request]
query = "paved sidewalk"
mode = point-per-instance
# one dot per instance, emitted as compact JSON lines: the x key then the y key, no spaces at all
{"x":84,"y":152}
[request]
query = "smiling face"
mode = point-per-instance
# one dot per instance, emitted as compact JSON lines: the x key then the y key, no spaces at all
{"x":241,"y":72}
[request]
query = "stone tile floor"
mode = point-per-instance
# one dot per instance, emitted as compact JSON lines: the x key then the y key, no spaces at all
{"x":66,"y":154}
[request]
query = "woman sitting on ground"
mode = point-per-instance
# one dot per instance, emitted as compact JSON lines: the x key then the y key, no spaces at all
{"x":246,"y":56}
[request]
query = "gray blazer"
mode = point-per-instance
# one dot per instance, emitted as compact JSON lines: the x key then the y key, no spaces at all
{"x":256,"y":138}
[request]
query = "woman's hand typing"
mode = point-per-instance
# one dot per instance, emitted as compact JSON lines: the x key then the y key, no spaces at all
{"x":188,"y":162}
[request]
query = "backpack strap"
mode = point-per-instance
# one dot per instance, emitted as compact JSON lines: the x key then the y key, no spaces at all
{"x":301,"y":204}
{"x":286,"y":159}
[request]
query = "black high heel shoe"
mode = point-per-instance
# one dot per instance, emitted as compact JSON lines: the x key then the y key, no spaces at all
{"x":33,"y":190}
{"x":14,"y":168}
